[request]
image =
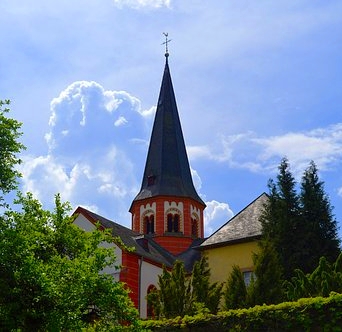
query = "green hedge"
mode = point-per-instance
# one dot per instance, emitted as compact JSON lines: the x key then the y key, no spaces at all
{"x":309,"y":314}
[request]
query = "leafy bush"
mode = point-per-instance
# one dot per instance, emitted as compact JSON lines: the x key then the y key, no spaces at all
{"x":308,"y":314}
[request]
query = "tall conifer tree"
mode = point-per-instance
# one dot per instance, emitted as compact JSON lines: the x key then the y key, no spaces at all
{"x":203,"y":291}
{"x":301,"y":227}
{"x":235,"y":293}
{"x":266,"y":287}
{"x":280,"y":220}
{"x":320,"y":234}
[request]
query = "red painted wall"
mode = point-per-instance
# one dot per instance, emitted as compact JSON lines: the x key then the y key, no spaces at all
{"x":174,"y":243}
{"x":130,"y":275}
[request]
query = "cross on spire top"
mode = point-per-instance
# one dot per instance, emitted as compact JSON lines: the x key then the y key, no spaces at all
{"x":166,"y":43}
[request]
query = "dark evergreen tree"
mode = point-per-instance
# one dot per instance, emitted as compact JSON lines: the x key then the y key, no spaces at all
{"x":203,"y":291}
{"x":235,"y":291}
{"x":179,"y":295}
{"x":280,"y":219}
{"x":173,"y":292}
{"x":324,"y":279}
{"x":173,"y":296}
{"x":266,"y":286}
{"x":319,"y":237}
{"x":301,"y":227}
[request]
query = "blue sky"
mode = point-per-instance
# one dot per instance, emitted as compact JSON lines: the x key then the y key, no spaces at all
{"x":254,"y":80}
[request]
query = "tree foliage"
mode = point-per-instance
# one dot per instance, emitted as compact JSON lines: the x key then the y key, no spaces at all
{"x":280,"y":219}
{"x":266,"y":285}
{"x":235,"y":294}
{"x":203,"y":291}
{"x":301,"y":226}
{"x":51,"y":272}
{"x":320,"y":233}
{"x":9,"y":148}
{"x":173,"y":296}
{"x":179,"y":294}
{"x":326,"y":278}
{"x":266,"y":282}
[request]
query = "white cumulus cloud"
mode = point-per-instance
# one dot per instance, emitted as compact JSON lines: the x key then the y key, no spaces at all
{"x":88,"y":160}
{"x":215,"y":215}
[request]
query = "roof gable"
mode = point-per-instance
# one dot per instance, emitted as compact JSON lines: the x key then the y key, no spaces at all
{"x":141,"y":244}
{"x":144,"y":245}
{"x":243,"y":226}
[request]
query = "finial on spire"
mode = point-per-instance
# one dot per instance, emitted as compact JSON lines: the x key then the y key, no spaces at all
{"x":166,"y":44}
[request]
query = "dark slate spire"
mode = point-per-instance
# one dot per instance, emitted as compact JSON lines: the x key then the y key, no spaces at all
{"x":167,"y":170}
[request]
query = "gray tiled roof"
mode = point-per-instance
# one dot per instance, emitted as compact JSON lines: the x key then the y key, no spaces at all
{"x":144,"y":245}
{"x":243,"y":226}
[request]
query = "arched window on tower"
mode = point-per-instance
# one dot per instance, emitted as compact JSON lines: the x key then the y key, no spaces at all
{"x":169,"y":222}
{"x":194,"y":227}
{"x":152,"y":224}
{"x":173,"y":223}
{"x":176,"y":223}
{"x":146,"y":225}
{"x":149,"y":224}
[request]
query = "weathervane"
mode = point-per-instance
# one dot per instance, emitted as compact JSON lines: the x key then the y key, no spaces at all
{"x":166,"y":43}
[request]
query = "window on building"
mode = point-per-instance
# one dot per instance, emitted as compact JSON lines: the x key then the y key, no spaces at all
{"x":146,"y":225}
{"x":152,"y":224}
{"x":247,"y":277}
{"x":169,"y":222}
{"x":173,"y":222}
{"x":176,"y":223}
{"x":149,"y":224}
{"x":150,"y":180}
{"x":194,"y":227}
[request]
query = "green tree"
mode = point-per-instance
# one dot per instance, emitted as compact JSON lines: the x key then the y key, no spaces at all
{"x":9,"y":148}
{"x":280,"y":219}
{"x":266,"y":286}
{"x":173,"y":296}
{"x":203,"y":291}
{"x":179,"y":294}
{"x":51,"y":272}
{"x":235,"y":294}
{"x":324,"y":279}
{"x":319,"y":237}
{"x":300,"y":226}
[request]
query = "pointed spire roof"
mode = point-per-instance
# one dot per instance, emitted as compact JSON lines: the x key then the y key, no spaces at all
{"x":167,"y":170}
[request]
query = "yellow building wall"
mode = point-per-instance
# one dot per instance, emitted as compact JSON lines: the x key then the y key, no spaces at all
{"x":222,"y":259}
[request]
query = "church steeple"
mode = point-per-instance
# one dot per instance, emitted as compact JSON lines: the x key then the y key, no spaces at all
{"x":167,"y":170}
{"x":167,"y":181}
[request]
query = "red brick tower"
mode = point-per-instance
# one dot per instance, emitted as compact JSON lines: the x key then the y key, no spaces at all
{"x":168,"y":208}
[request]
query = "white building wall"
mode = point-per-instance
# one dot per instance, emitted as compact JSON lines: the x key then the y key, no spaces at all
{"x":149,"y":276}
{"x":82,"y":222}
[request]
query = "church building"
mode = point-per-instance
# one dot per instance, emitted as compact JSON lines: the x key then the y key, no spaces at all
{"x":167,"y":215}
{"x":167,"y":212}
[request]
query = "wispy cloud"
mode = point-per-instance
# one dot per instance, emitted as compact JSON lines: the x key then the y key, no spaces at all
{"x":137,"y":4}
{"x":262,"y":154}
